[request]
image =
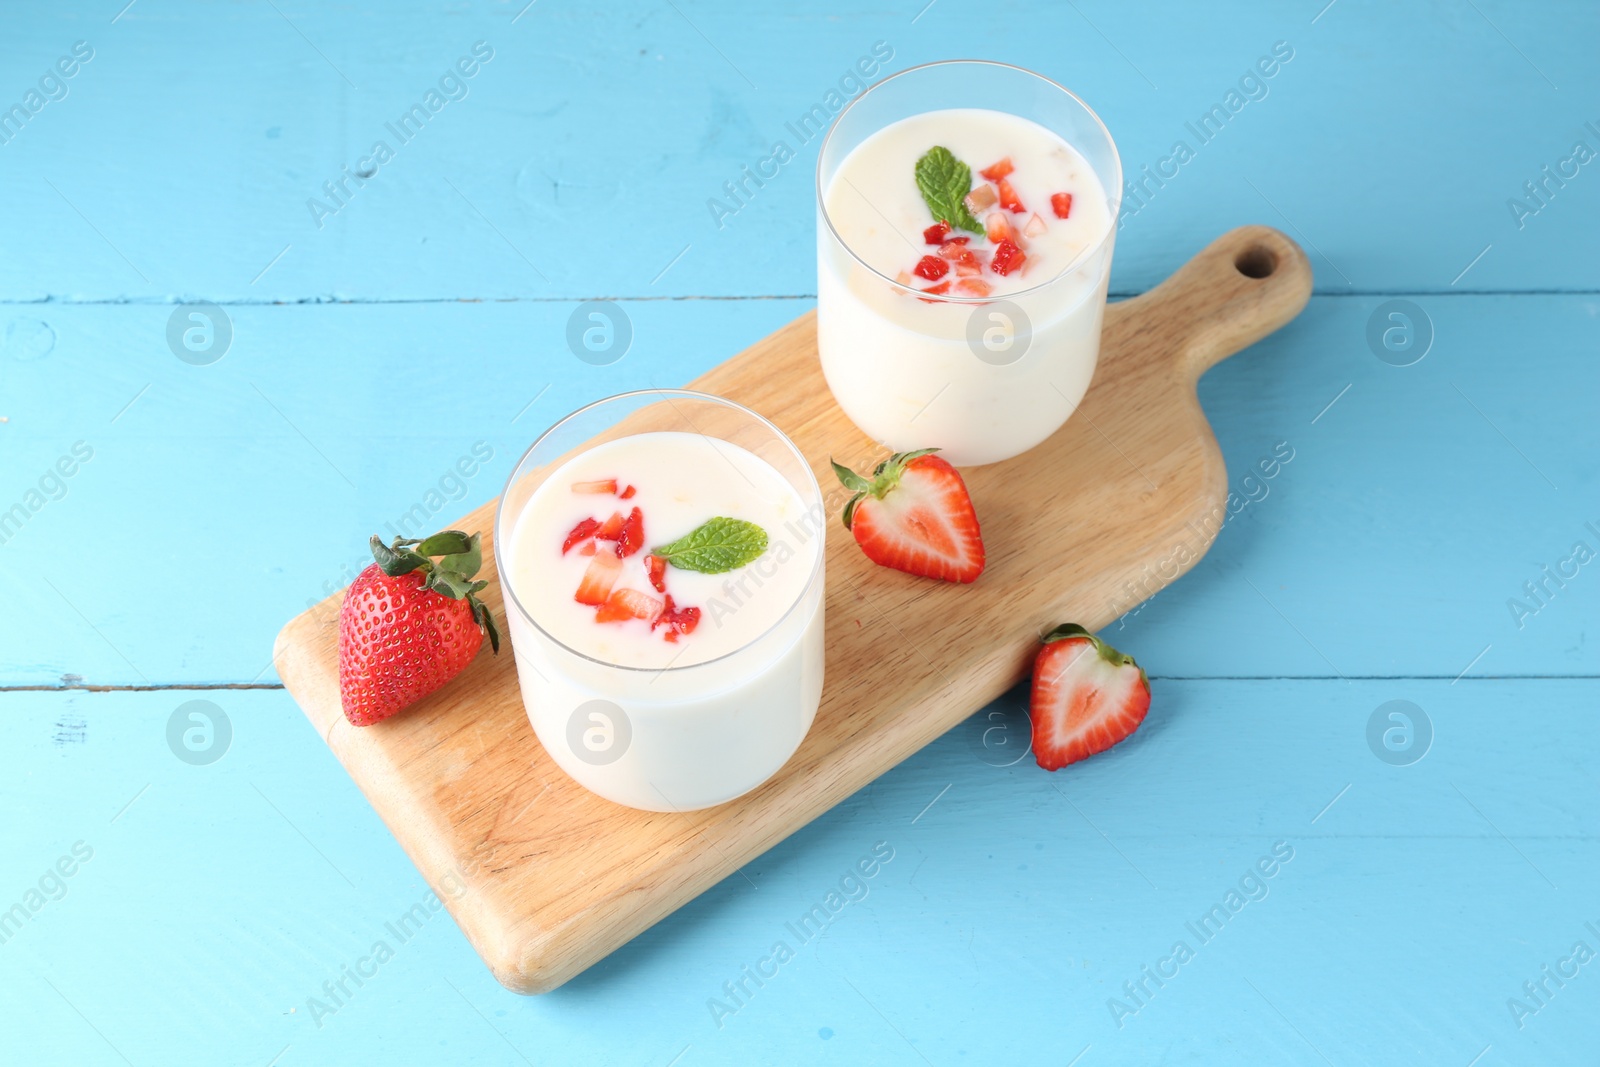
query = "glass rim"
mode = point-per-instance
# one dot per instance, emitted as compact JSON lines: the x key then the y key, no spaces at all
{"x":509,"y":593}
{"x":1116,"y":155}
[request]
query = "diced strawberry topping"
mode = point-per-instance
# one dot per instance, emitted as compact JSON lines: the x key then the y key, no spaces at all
{"x":1035,"y":226}
{"x":587,"y":549}
{"x":932,"y":268}
{"x":936,"y":234}
{"x":1009,"y":198}
{"x":601,"y":485}
{"x":904,"y":279}
{"x":956,"y":241}
{"x":1007,"y":258}
{"x":999,"y":170}
{"x":1061,"y":204}
{"x":580,"y":532}
{"x":611,"y":529}
{"x":677,"y":620}
{"x":656,"y":568}
{"x":997,"y":228}
{"x":598,"y":579}
{"x":980,"y":198}
{"x":935,"y":290}
{"x":624,"y":603}
{"x":973,"y":287}
{"x":627,"y":494}
{"x":631,"y":539}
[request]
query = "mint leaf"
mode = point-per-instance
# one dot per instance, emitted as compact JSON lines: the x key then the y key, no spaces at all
{"x":944,"y":182}
{"x":717,"y":545}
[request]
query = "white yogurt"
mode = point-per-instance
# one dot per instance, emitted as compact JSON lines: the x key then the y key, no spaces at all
{"x":983,"y":380}
{"x":664,"y":725}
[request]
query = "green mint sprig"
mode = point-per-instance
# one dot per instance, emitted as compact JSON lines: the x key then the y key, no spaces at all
{"x":716,"y":545}
{"x":944,"y":182}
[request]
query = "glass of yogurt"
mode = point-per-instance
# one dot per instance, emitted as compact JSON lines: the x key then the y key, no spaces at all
{"x":661,"y":555}
{"x":966,"y":213}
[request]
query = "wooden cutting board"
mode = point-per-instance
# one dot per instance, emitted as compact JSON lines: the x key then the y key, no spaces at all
{"x":546,"y":878}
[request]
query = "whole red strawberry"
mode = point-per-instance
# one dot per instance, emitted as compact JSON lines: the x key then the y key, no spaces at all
{"x":914,"y":515}
{"x":410,"y":623}
{"x":1086,"y":697}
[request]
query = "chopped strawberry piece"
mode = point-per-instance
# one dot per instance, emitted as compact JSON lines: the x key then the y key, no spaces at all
{"x":627,"y":494}
{"x":580,"y":532}
{"x":611,"y":529}
{"x":932,"y":268}
{"x":1035,"y":226}
{"x":1061,"y":204}
{"x":935,"y":290}
{"x":980,"y":198}
{"x":968,"y":261}
{"x":631,"y":539}
{"x":936,"y":234}
{"x":1009,"y":198}
{"x":973,"y":287}
{"x":598,"y":579}
{"x":587,"y":549}
{"x":999,"y":170}
{"x":601,"y":485}
{"x":1007,"y":258}
{"x":677,"y":620}
{"x":1086,"y":697}
{"x":625,"y":603}
{"x":956,"y":241}
{"x":997,"y":228}
{"x":656,"y":568}
{"x":904,"y":279}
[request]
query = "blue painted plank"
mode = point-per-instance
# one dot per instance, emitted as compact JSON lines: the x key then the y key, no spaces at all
{"x":1417,"y":901}
{"x":1414,"y":507}
{"x":580,"y":160}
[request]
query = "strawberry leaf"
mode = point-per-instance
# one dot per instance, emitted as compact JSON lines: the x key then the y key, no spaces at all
{"x":944,"y":182}
{"x":715,"y":546}
{"x":447,"y":543}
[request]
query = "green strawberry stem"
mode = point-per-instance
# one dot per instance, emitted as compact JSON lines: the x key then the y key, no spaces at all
{"x":1069,"y":630}
{"x":460,"y":555}
{"x":885,"y":476}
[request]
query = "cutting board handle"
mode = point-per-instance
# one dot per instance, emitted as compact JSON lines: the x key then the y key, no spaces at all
{"x":1241,"y":287}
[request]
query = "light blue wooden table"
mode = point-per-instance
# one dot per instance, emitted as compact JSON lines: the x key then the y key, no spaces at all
{"x":1432,"y":910}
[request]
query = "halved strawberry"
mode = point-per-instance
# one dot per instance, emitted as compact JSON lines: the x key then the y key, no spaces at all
{"x":980,"y":198}
{"x":580,"y":532}
{"x":598,"y":579}
{"x":936,"y":234}
{"x":931,"y":267}
{"x":1007,"y":257}
{"x":994,"y":172}
{"x":1061,"y":204}
{"x":1087,"y":696}
{"x":599,"y":485}
{"x":656,"y":568}
{"x":1009,"y":198}
{"x":626,"y":603}
{"x":631,"y":537}
{"x":914,"y":515}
